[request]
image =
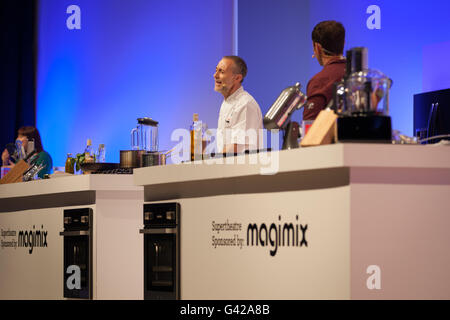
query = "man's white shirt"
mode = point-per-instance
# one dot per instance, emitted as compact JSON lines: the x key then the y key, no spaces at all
{"x":240,"y":122}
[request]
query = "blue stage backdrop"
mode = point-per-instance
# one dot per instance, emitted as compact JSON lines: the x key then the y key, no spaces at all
{"x":156,"y":58}
{"x":130,"y":59}
{"x":275,"y":36}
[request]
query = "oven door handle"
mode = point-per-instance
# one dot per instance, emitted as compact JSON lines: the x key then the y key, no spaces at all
{"x":74,"y":233}
{"x":158,"y":231}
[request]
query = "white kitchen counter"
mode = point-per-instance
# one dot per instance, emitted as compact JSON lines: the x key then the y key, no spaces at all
{"x":302,"y":159}
{"x":39,"y":205}
{"x":61,"y":191}
{"x":294,"y":168}
{"x":68,"y":184}
{"x":375,"y":215}
{"x":358,"y":207}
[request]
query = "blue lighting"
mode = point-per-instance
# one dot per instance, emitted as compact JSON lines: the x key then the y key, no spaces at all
{"x":276,"y":38}
{"x":156,"y":58}
{"x":130,"y":59}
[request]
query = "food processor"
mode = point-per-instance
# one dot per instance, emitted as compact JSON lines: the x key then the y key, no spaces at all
{"x":362,"y":102}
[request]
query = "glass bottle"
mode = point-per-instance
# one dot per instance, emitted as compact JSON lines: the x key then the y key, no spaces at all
{"x":101,"y":153}
{"x":88,"y":152}
{"x":196,"y":138}
{"x":70,"y":161}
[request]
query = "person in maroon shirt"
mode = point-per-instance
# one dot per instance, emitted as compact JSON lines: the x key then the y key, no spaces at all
{"x":328,"y":42}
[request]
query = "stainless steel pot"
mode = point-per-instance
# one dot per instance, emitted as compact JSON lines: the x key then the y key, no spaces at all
{"x":131,"y":158}
{"x":155,"y":158}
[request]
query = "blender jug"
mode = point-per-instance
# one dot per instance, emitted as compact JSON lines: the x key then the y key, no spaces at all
{"x":145,"y":135}
{"x":363,"y":102}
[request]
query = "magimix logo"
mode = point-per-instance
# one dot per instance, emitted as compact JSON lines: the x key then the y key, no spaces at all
{"x":277,"y":235}
{"x":32,"y":239}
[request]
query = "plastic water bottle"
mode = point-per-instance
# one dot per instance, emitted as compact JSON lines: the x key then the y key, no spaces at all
{"x":101,"y":155}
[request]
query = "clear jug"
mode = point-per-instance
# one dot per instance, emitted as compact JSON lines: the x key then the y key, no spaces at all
{"x":362,"y":102}
{"x":367,"y":93}
{"x":145,"y":135}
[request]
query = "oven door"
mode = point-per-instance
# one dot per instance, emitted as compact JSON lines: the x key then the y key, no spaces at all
{"x":77,"y":265}
{"x":161,"y":264}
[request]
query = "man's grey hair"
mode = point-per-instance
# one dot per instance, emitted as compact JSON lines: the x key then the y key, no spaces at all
{"x":240,"y":67}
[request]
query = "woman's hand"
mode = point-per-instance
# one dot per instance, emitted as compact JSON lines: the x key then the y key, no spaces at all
{"x":5,"y":157}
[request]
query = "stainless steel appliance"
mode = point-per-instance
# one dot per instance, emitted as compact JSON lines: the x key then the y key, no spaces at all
{"x":161,"y":251}
{"x":78,"y":253}
{"x":279,"y":115}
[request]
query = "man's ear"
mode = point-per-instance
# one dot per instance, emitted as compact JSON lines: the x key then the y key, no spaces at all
{"x":318,"y":48}
{"x":239,"y":77}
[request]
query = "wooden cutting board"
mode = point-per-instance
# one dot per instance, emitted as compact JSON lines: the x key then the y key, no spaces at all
{"x":322,"y":131}
{"x":16,"y":173}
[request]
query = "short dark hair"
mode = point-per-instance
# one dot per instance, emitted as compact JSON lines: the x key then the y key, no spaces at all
{"x":240,"y":65}
{"x":32,"y":134}
{"x":330,"y":35}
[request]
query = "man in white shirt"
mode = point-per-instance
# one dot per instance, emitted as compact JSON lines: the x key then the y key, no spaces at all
{"x":240,"y":119}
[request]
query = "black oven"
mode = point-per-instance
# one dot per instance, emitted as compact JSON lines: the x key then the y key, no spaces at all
{"x":161,"y":251}
{"x":77,"y":253}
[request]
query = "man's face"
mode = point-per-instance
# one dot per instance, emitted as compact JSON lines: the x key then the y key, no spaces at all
{"x":225,"y":80}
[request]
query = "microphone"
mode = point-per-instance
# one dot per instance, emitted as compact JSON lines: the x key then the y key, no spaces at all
{"x":11,"y":148}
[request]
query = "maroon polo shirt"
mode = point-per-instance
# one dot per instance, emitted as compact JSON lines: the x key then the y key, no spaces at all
{"x":320,"y":88}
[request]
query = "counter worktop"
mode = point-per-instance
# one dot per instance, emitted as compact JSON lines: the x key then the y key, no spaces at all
{"x":317,"y":220}
{"x":61,"y":191}
{"x":370,"y":222}
{"x":290,"y":169}
{"x":36,"y":269}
